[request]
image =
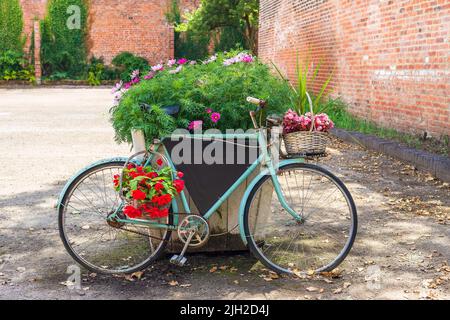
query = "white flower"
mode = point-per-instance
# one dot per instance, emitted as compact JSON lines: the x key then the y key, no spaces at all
{"x":117,"y":87}
{"x":171,"y":62}
{"x":178,"y":69}
{"x":158,"y":67}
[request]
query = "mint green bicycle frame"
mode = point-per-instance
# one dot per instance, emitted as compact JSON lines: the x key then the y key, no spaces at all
{"x":264,"y":160}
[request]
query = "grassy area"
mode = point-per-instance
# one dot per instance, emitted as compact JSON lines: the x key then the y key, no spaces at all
{"x":337,"y":110}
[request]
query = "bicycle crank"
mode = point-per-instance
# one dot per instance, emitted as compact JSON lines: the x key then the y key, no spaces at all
{"x":200,"y":228}
{"x":193,"y":231}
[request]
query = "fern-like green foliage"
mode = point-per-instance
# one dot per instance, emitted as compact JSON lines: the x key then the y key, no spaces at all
{"x":11,"y":26}
{"x":196,"y":88}
{"x":63,"y":44}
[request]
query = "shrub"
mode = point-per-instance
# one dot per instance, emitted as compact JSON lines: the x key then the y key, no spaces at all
{"x":197,"y":88}
{"x":98,"y":71}
{"x":13,"y":66}
{"x":63,"y":49}
{"x":11,"y":26}
{"x":127,"y":62}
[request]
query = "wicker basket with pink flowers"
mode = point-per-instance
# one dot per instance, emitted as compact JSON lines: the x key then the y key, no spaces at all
{"x":306,"y":134}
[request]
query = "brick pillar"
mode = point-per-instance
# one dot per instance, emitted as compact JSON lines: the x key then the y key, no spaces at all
{"x":37,"y":52}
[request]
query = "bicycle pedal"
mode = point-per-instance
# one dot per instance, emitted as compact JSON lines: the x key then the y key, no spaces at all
{"x":178,"y":260}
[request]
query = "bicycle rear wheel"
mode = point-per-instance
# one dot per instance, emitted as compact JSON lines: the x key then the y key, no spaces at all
{"x":324,"y":237}
{"x":96,"y":243}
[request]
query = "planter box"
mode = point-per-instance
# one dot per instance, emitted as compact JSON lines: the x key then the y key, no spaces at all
{"x":225,"y":220}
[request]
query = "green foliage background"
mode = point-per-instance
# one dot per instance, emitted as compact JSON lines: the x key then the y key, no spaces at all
{"x":196,"y":88}
{"x":11,"y":26}
{"x":127,"y":62}
{"x":63,"y":50}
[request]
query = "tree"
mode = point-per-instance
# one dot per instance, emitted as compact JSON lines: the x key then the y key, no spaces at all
{"x":11,"y":26}
{"x":214,"y":15}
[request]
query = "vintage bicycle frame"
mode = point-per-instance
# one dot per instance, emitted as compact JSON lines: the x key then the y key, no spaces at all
{"x":264,"y":160}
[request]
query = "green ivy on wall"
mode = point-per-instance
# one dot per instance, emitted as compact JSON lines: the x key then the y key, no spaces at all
{"x":63,"y":34}
{"x":11,"y":26}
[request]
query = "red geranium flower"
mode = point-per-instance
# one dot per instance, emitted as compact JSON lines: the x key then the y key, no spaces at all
{"x":138,"y":195}
{"x":116,"y":180}
{"x":179,"y":185}
{"x":130,"y":166}
{"x":152,"y":175}
{"x":132,"y":212}
{"x":162,"y":200}
{"x":156,"y":213}
{"x":159,"y":162}
{"x":159,"y":186}
{"x":180,"y":174}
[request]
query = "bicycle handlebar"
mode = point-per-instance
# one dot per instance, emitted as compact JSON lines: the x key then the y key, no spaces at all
{"x":258,"y":102}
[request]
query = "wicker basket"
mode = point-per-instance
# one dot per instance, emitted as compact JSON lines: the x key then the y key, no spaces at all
{"x":310,"y":142}
{"x":305,"y":142}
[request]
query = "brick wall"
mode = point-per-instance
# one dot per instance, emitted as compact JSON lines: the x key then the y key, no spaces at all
{"x":391,"y":59}
{"x":121,"y":25}
{"x":32,"y":9}
{"x":128,"y":25}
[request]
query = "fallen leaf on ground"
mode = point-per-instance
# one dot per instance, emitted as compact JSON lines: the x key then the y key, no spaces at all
{"x":337,"y":291}
{"x":173,"y":283}
{"x":213,"y":269}
{"x":134,"y":276}
{"x":336,"y":273}
{"x":312,"y":289}
{"x":346,"y":285}
{"x":274,"y":275}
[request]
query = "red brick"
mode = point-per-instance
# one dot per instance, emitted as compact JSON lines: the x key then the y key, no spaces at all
{"x":390,"y":59}
{"x":121,"y":25}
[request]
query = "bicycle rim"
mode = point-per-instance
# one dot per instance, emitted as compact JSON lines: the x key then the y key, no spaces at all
{"x":91,"y":240}
{"x":328,"y":228}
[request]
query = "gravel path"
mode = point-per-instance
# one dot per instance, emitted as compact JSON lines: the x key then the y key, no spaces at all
{"x":401,"y":251}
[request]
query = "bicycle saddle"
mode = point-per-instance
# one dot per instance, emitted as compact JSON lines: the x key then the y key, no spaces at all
{"x":171,"y":110}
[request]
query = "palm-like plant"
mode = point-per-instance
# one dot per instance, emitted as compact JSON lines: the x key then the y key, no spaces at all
{"x":299,"y":98}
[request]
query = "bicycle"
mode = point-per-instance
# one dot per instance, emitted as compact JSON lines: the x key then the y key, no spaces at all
{"x":311,"y":225}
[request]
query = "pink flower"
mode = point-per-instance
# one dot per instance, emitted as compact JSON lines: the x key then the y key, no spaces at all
{"x":135,"y":74}
{"x":149,"y":75}
{"x":171,"y":62}
{"x":196,"y":124}
{"x":127,"y":85}
{"x":135,"y":80}
{"x":215,"y":117}
{"x":158,"y":67}
{"x":247,"y":59}
{"x":209,"y":110}
{"x":182,"y":61}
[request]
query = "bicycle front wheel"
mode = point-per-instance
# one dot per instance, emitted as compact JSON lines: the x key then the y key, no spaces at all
{"x":323,"y":237}
{"x":96,"y":242}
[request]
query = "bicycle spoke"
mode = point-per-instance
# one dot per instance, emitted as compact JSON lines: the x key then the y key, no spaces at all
{"x":318,"y":240}
{"x":96,"y":243}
